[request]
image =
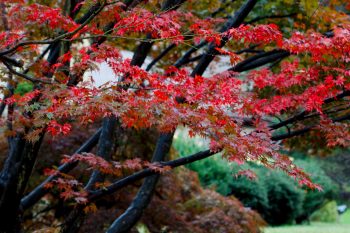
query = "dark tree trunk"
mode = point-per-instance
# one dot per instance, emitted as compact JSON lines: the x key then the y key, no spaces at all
{"x":13,"y":180}
{"x":129,"y":218}
{"x":106,"y":145}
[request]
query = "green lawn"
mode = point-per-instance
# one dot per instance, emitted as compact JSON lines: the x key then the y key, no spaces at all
{"x":345,"y":218}
{"x":313,"y":228}
{"x":342,"y":227}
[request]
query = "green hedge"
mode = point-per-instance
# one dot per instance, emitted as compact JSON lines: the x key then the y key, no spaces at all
{"x":274,"y":195}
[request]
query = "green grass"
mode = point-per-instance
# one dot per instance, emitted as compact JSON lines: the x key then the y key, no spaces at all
{"x":345,"y":218}
{"x":313,"y":228}
{"x":342,"y":227}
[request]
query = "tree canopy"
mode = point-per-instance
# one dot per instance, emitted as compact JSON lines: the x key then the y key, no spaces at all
{"x":287,"y":86}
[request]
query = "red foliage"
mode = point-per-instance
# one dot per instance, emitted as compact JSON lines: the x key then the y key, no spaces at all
{"x":213,"y":107}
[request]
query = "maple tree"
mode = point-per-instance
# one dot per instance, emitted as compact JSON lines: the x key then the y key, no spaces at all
{"x":51,"y":45}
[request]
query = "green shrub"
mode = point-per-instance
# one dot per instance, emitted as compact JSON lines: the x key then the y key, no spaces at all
{"x":252,"y":194}
{"x":274,"y":195}
{"x":314,"y":199}
{"x":284,"y":197}
{"x":327,"y":213}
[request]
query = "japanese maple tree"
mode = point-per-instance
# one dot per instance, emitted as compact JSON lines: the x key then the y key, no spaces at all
{"x":289,"y":77}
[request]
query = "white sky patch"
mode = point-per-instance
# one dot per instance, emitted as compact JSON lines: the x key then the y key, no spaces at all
{"x":105,"y":74}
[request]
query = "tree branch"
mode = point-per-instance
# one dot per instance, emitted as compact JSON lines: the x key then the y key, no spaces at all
{"x":180,"y":62}
{"x":259,"y":60}
{"x":144,"y":48}
{"x":35,"y":195}
{"x":11,"y":61}
{"x":106,"y":143}
{"x":233,"y":22}
{"x":302,"y":115}
{"x":85,"y":20}
{"x":105,"y":147}
{"x":128,"y":219}
{"x":306,"y":129}
{"x":160,"y":56}
{"x":95,"y":195}
{"x":27,"y":77}
{"x":75,"y":78}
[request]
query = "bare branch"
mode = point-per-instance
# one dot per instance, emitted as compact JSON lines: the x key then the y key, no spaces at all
{"x":27,"y":77}
{"x":60,"y":37}
{"x":306,"y":129}
{"x":259,"y":59}
{"x":125,"y":222}
{"x":35,"y":195}
{"x":11,"y":61}
{"x":160,"y":56}
{"x":148,"y":172}
{"x":233,"y":22}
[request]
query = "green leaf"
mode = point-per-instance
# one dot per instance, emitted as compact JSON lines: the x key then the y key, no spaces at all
{"x":310,"y":6}
{"x":23,"y":88}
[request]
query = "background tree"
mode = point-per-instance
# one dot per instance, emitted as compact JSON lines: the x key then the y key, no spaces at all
{"x":46,"y":47}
